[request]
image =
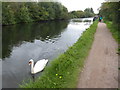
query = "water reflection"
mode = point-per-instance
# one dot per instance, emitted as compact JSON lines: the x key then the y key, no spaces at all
{"x":17,"y":34}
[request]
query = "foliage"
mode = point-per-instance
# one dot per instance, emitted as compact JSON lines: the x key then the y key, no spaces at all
{"x":0,"y":13}
{"x":7,"y":17}
{"x":22,"y":14}
{"x":77,"y":14}
{"x":17,"y":12}
{"x":33,"y":9}
{"x":88,"y":12}
{"x":110,"y":11}
{"x":63,"y":72}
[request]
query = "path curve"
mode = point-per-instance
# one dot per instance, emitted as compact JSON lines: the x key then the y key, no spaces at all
{"x":101,"y":66}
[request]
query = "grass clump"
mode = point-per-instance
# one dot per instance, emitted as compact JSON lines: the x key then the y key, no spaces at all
{"x":63,"y":72}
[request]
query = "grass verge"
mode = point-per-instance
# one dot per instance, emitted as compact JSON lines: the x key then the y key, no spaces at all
{"x":64,"y":70}
{"x":115,"y":32}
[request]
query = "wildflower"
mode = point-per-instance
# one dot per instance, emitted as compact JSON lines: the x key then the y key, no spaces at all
{"x":60,"y":77}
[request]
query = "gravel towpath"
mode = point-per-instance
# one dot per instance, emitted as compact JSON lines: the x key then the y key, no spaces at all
{"x":101,"y":66}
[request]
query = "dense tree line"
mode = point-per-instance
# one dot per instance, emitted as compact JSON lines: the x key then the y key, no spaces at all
{"x":17,"y":12}
{"x":111,"y":12}
{"x":88,"y":12}
{"x":0,"y":13}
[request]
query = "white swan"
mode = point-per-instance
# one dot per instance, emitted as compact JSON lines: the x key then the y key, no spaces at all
{"x":39,"y":66}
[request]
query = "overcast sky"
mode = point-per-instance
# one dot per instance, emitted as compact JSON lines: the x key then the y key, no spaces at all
{"x":74,"y":4}
{"x":82,"y":4}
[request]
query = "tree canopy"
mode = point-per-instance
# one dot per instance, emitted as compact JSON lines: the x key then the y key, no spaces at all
{"x":88,"y":12}
{"x":19,"y":12}
{"x":111,"y":11}
{"x":16,"y":12}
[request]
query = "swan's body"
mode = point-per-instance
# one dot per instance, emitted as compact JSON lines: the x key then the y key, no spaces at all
{"x":39,"y":66}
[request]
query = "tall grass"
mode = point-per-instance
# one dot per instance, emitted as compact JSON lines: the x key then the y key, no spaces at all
{"x":64,"y":70}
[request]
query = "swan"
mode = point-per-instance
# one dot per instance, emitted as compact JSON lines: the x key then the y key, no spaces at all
{"x":39,"y":66}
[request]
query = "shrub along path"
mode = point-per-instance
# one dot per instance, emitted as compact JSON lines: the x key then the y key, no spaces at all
{"x":101,"y":66}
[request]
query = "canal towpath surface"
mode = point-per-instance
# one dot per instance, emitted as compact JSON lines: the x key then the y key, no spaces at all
{"x":101,"y":65}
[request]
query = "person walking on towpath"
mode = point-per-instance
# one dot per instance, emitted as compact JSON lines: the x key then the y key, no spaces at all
{"x":100,"y":18}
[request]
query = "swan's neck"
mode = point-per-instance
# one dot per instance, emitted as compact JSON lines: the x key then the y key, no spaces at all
{"x":32,"y":67}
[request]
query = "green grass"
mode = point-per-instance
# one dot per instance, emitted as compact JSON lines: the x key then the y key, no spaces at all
{"x":64,"y":71}
{"x":115,"y":32}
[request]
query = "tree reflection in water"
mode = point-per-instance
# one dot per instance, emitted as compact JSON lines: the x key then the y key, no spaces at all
{"x":17,"y":34}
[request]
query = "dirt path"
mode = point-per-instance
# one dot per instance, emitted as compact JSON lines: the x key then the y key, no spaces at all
{"x":101,"y":66}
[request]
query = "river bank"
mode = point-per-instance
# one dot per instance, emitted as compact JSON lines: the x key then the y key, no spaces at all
{"x":63,"y":71}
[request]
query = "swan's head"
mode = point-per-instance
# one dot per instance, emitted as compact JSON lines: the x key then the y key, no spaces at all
{"x":30,"y":62}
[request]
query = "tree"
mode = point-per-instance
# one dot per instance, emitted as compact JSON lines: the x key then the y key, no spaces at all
{"x":17,"y":12}
{"x":111,"y":11}
{"x":23,"y":15}
{"x":33,"y":10}
{"x":89,"y":12}
{"x":8,"y":15}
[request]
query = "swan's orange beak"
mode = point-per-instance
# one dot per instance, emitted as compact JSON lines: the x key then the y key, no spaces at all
{"x":30,"y":63}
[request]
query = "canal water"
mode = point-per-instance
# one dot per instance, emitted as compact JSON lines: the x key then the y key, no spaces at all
{"x":40,"y":40}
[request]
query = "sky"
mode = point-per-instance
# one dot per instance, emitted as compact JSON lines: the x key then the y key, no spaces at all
{"x":75,"y":4}
{"x":82,"y":4}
